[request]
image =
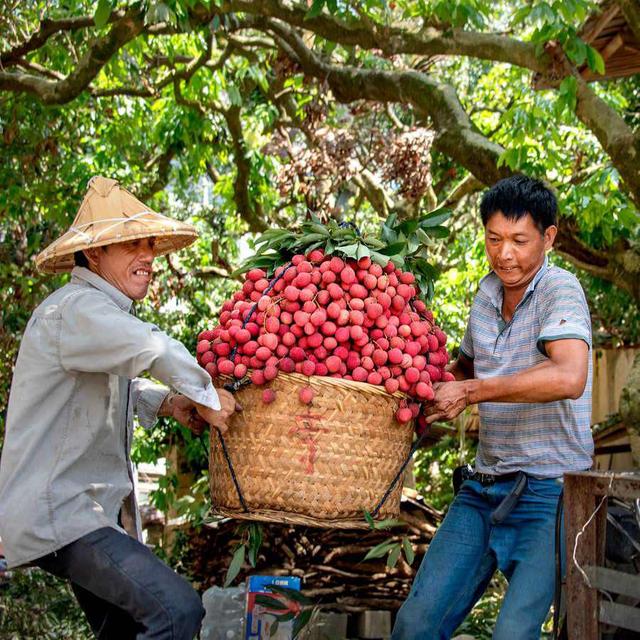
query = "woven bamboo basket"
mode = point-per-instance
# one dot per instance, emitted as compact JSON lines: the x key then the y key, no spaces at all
{"x":321,"y":464}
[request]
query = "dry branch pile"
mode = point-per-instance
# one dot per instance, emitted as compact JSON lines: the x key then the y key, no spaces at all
{"x":330,"y":562}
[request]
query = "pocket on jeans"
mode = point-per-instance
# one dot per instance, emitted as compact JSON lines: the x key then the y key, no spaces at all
{"x":548,"y":488}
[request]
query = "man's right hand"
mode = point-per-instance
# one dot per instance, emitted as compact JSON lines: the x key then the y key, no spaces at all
{"x":228,"y":406}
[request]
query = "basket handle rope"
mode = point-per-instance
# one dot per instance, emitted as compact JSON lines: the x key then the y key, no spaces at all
{"x":416,"y":445}
{"x":225,"y":452}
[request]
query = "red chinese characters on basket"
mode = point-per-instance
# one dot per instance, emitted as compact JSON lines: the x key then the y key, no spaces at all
{"x":324,"y":316}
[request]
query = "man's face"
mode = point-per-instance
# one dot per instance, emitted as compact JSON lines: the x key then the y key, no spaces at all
{"x":516,"y":248}
{"x":125,"y":265}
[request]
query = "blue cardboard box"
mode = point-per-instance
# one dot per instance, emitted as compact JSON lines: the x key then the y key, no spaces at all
{"x":259,"y":619}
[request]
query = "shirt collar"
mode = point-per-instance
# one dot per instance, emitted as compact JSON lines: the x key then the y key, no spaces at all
{"x":86,"y":275}
{"x":492,"y":286}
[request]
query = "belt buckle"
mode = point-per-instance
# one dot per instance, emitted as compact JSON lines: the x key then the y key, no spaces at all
{"x":486,"y":479}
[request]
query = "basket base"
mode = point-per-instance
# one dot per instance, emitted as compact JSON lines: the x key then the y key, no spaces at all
{"x":283,"y":517}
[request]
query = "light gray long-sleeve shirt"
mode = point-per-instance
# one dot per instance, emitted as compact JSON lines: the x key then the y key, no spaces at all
{"x":65,"y":468}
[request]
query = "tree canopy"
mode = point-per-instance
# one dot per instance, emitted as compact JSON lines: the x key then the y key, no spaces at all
{"x":244,"y":114}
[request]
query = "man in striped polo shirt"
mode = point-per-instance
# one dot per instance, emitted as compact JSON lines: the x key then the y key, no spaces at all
{"x":525,"y":359}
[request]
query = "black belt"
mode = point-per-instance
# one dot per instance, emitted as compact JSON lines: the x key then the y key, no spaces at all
{"x":465,"y":472}
{"x":487,"y":479}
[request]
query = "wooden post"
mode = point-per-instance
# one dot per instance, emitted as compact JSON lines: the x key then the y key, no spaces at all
{"x":582,"y":601}
{"x":583,"y":493}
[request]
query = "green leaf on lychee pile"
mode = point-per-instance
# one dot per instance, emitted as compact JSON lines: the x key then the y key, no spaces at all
{"x":435,"y":218}
{"x":405,"y":243}
{"x":349,"y":250}
{"x":393,"y":249}
{"x":437,"y":231}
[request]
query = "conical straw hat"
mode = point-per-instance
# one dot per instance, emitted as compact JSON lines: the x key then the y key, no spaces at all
{"x":110,"y":214}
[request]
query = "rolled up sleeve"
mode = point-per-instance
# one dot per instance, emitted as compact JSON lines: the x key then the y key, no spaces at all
{"x":565,"y":315}
{"x":98,"y":336}
{"x":147,"y":399}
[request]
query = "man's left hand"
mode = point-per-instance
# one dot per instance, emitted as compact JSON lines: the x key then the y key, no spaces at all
{"x":451,"y":399}
{"x":183,"y":410}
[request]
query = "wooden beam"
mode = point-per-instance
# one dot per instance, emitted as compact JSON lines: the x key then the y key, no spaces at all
{"x":611,"y":47}
{"x":625,"y":485}
{"x":625,"y":584}
{"x":600,"y":23}
{"x":620,"y":615}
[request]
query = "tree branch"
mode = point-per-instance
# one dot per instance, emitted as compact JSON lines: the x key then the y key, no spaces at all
{"x":163,"y":163}
{"x":192,"y":65}
{"x":616,"y":137}
{"x":392,"y":40}
{"x":465,"y":187}
{"x":619,"y":263}
{"x":251,"y":213}
{"x":123,"y":30}
{"x":47,"y":29}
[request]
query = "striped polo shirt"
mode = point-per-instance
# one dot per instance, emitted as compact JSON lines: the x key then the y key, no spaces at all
{"x":544,"y":439}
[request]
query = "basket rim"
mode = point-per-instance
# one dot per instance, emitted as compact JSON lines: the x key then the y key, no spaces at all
{"x":289,"y":517}
{"x":328,"y":381}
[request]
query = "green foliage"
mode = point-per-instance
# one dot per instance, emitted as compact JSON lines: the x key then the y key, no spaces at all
{"x":482,"y":618}
{"x":405,"y":243}
{"x":251,"y":535}
{"x":393,"y":547}
{"x":35,"y":605}
{"x":614,"y":314}
{"x":389,"y":523}
{"x":181,"y":158}
{"x":433,"y":469}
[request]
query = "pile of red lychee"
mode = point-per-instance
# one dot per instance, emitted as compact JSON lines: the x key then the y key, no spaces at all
{"x":322,"y":315}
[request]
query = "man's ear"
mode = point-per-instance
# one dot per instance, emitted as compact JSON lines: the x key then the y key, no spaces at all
{"x":92,"y":256}
{"x":549,"y":236}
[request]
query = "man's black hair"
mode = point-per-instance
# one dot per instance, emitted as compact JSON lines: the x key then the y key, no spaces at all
{"x":518,"y":195}
{"x":80,"y":259}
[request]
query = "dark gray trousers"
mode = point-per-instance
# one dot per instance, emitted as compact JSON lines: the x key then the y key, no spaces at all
{"x":125,"y":591}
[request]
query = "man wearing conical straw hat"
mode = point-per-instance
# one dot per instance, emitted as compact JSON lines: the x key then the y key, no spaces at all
{"x":66,"y":480}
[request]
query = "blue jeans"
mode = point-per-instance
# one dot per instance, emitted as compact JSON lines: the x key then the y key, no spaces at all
{"x":466,"y":551}
{"x":126,"y":591}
